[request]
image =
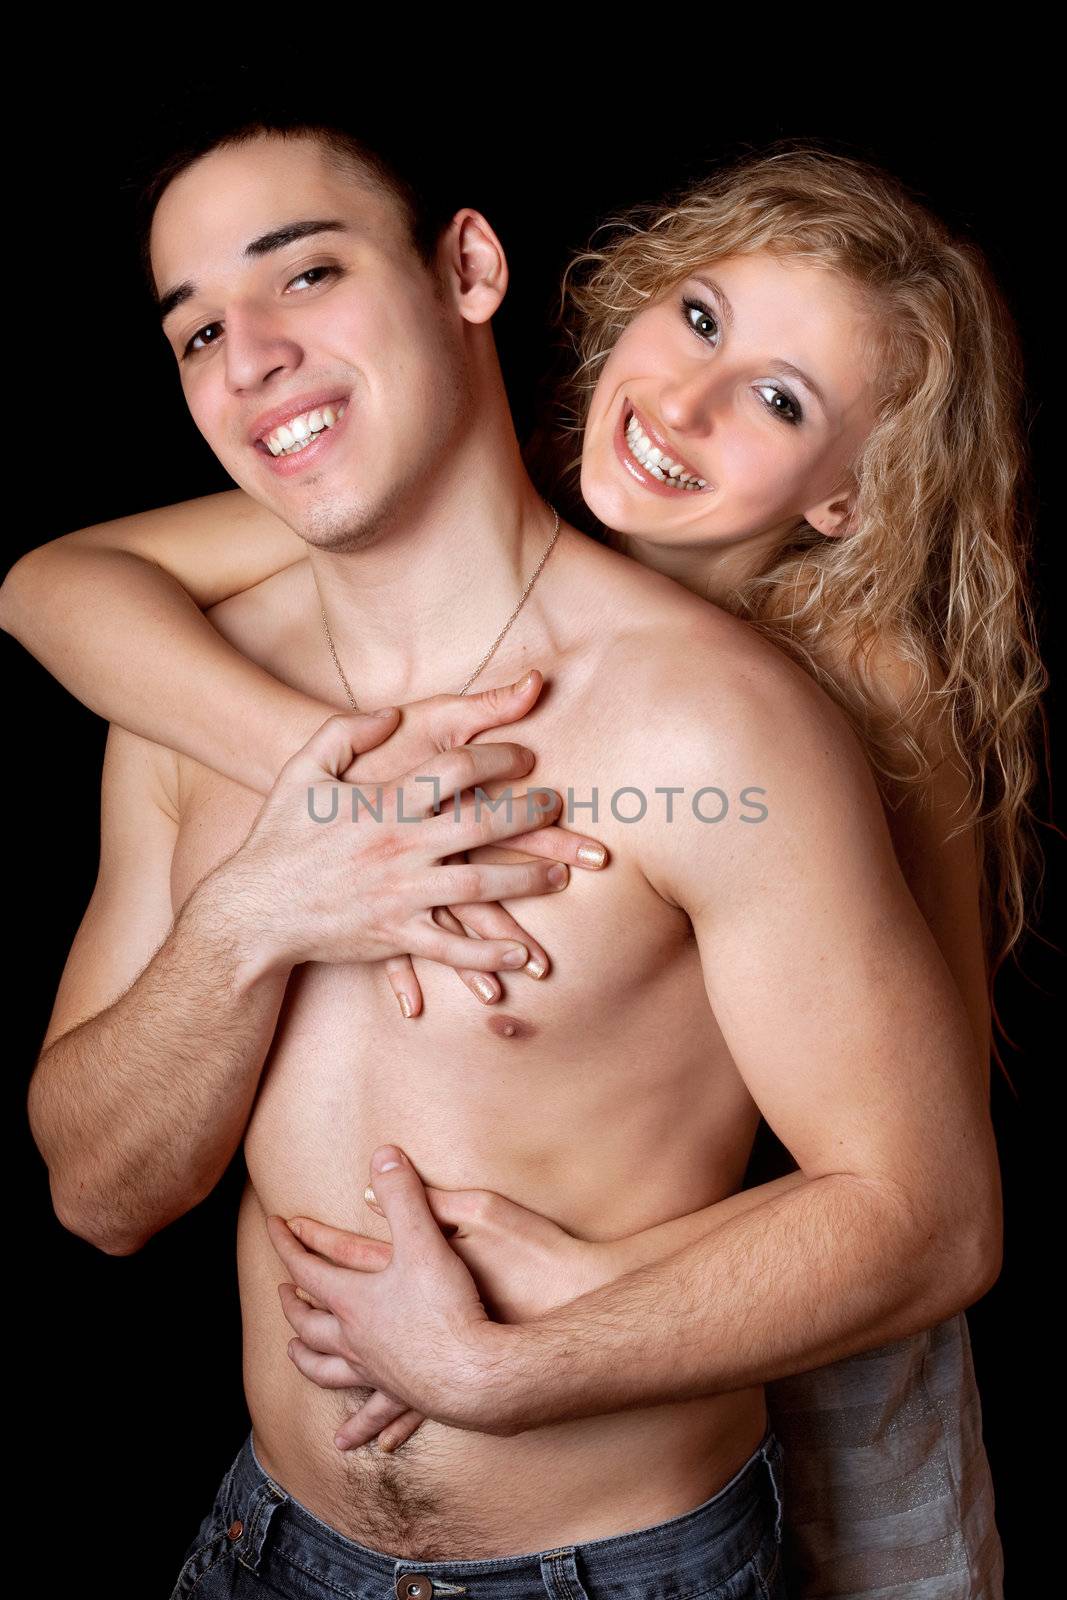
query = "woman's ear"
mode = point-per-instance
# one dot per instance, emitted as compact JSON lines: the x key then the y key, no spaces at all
{"x":833,"y":517}
{"x":472,"y":256}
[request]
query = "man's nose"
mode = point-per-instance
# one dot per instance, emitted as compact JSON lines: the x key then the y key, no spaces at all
{"x":256,"y":346}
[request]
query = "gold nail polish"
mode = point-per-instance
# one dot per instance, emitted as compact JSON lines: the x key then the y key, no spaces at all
{"x":369,"y":1196}
{"x":592,"y":855}
{"x":406,"y":1007}
{"x":535,"y":967}
{"x":485,"y":988}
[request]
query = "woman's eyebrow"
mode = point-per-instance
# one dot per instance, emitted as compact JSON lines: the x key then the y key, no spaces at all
{"x":276,"y":239}
{"x":779,"y":361}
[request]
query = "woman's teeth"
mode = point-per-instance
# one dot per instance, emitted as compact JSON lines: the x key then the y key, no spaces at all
{"x":655,"y":462}
{"x":300,"y":431}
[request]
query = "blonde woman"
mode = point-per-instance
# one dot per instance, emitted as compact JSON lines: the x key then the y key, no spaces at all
{"x":906,"y":599}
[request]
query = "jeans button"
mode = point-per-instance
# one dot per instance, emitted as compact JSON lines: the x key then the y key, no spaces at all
{"x":235,"y":1530}
{"x":414,"y":1586}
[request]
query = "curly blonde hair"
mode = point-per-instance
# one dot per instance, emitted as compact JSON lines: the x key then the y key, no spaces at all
{"x":933,"y":574}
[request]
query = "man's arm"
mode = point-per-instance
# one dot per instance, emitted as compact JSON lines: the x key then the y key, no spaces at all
{"x":138,"y":1102}
{"x":844,"y":1022}
{"x":159,"y":1031}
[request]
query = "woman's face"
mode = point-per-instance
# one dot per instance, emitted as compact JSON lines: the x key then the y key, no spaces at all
{"x":709,"y":377}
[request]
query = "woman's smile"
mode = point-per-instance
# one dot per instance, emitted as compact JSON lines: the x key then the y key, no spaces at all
{"x":639,"y":448}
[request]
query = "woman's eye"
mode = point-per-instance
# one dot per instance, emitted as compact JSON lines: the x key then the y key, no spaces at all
{"x":699,"y":318}
{"x":191,"y":347}
{"x":789,"y":411}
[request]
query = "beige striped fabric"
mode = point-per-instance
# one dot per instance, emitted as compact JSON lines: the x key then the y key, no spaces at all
{"x":887,"y":1486}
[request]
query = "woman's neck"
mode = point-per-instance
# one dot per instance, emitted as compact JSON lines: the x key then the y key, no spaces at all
{"x":713,"y":570}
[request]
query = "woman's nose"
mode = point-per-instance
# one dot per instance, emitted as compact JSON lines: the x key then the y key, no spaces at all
{"x":687,"y":402}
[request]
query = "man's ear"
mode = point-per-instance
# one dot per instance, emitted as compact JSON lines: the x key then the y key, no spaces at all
{"x":833,"y":517}
{"x":471,"y":256}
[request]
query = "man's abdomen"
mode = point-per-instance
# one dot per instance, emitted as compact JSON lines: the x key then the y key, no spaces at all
{"x":452,"y":1494}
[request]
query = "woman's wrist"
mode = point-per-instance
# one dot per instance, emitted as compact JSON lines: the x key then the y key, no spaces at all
{"x":290,"y":724}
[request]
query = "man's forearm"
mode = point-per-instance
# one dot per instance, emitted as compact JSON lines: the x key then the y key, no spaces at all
{"x":829,"y":1268}
{"x":138,"y":1111}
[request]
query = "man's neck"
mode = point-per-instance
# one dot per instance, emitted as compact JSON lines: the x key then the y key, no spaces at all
{"x":413,"y":614}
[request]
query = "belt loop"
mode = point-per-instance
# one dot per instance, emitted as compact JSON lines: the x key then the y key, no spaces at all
{"x":264,"y":1502}
{"x":771,"y":1451}
{"x":559,"y":1573}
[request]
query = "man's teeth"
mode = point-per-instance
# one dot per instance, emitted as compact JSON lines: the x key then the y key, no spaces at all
{"x":655,"y":462}
{"x":299,"y":431}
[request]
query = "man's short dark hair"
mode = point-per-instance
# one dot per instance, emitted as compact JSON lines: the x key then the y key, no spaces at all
{"x":384,"y":158}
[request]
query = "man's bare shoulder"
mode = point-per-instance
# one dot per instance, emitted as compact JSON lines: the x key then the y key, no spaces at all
{"x":645,"y":626}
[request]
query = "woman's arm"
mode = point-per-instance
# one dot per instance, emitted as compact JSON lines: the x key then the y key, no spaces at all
{"x":95,"y":607}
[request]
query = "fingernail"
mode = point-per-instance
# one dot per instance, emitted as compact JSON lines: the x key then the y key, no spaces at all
{"x":592,"y":855}
{"x":386,"y":1158}
{"x":517,"y":956}
{"x":385,"y":711}
{"x":369,"y":1196}
{"x":523,"y":683}
{"x":486,"y":988}
{"x":558,"y":875}
{"x":294,"y":1227}
{"x":405,"y":1005}
{"x":535,"y":967}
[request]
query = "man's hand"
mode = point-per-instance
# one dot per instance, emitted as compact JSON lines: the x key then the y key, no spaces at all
{"x":428,"y":728}
{"x":416,"y":1328}
{"x":523,"y":1265}
{"x":334,"y":873}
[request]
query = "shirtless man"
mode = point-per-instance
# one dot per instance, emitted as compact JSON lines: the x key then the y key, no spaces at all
{"x":717,"y":971}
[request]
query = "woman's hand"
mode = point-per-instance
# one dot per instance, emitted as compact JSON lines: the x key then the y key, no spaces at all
{"x":441,"y":723}
{"x":523,"y":1263}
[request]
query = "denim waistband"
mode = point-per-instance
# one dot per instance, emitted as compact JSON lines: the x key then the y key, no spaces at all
{"x":710,"y":1542}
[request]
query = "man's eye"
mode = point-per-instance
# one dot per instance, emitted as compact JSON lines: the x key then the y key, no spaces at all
{"x":699,"y":317}
{"x":193,"y":349}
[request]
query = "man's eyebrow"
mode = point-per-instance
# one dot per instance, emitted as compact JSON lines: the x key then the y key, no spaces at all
{"x":276,"y":239}
{"x":779,"y":361}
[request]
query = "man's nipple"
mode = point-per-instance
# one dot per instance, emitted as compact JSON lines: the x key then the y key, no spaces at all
{"x":509,"y":1027}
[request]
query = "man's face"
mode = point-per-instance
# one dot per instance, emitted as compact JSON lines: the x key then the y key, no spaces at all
{"x":348,"y":318}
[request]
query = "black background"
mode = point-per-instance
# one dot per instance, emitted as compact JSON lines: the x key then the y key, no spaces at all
{"x":129,"y":1369}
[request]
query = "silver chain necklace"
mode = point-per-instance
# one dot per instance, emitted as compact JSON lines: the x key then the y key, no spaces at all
{"x":489,"y":653}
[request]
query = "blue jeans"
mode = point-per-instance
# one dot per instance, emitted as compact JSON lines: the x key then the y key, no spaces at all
{"x":257,"y":1541}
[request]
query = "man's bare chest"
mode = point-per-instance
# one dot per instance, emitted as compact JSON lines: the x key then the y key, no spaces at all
{"x":615,"y":1038}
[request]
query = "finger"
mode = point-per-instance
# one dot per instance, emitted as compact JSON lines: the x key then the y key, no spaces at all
{"x":437,"y":782}
{"x":329,"y":1372}
{"x":576,"y":849}
{"x":491,"y":921}
{"x":319,"y":1329}
{"x":320,"y":1278}
{"x":376,"y":1413}
{"x":400,"y":1431}
{"x":480,"y":821}
{"x":452,"y":950}
{"x":340,"y":1245}
{"x":404,"y":984}
{"x":478,"y":881}
{"x":482,"y":985}
{"x":335,"y":745}
{"x":453,"y":1208}
{"x":459,"y":717}
{"x":414,"y":1230}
